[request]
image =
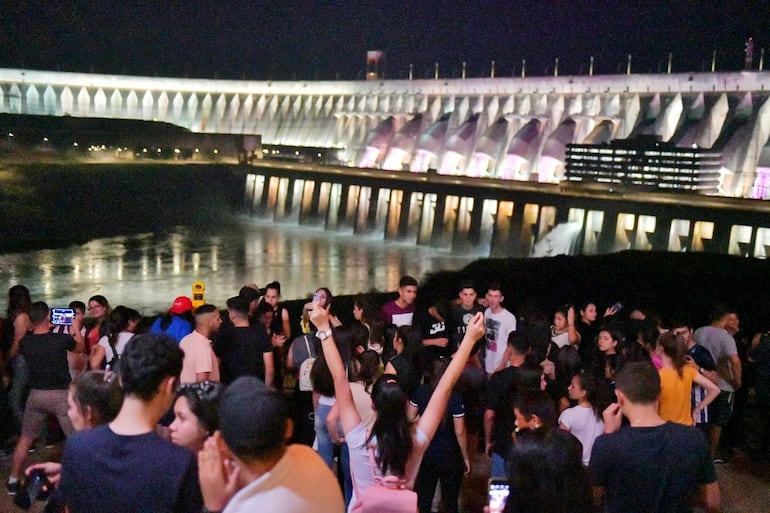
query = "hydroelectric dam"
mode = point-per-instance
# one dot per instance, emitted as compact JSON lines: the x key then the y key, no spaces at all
{"x":481,"y":162}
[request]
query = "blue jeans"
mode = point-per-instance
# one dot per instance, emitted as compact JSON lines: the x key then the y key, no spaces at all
{"x":323,"y":440}
{"x":497,"y":467}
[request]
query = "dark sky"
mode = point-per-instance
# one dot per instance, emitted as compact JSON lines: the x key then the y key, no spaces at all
{"x":324,"y":40}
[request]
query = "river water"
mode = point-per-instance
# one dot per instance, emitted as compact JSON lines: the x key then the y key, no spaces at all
{"x":147,"y":271}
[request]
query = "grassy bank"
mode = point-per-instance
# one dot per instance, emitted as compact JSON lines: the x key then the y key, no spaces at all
{"x":48,"y":205}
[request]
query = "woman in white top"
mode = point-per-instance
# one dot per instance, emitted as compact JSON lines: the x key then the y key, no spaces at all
{"x":563,"y":332}
{"x":120,"y":329}
{"x":398,"y":446}
{"x":584,"y":420}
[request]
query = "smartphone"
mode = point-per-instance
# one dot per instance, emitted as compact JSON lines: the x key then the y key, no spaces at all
{"x":617,"y":306}
{"x":62,"y":316}
{"x":498,"y":490}
{"x":316,"y":297}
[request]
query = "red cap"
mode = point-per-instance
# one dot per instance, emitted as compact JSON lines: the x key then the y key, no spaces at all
{"x":181,"y":305}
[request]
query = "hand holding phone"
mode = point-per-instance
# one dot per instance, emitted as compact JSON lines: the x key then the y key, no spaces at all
{"x":498,"y":490}
{"x":62,"y":316}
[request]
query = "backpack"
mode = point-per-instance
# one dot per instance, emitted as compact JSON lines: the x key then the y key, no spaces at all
{"x":388,"y":494}
{"x":305,"y":383}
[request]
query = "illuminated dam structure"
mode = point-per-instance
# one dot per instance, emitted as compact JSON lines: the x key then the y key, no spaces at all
{"x":499,"y":128}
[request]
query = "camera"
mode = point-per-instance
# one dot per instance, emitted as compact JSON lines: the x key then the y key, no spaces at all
{"x":35,"y":487}
{"x":62,"y":316}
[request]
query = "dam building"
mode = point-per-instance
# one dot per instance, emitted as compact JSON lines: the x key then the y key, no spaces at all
{"x":507,"y":166}
{"x":505,"y":128}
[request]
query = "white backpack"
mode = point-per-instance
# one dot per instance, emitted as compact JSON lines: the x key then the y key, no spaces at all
{"x":305,"y":383}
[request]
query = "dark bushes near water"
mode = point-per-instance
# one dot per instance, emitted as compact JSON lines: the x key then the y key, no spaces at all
{"x":48,"y":205}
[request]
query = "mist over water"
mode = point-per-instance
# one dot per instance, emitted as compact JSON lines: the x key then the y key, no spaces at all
{"x":147,"y":271}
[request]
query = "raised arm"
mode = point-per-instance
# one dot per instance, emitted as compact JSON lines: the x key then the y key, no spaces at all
{"x":431,"y":417}
{"x":572,"y":332}
{"x":348,"y":412}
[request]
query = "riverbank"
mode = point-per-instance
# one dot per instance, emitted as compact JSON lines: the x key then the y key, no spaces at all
{"x":53,"y":205}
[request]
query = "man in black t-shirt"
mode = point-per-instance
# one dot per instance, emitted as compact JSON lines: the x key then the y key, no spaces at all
{"x":461,"y":314}
{"x":650,"y":464}
{"x":125,"y":466}
{"x":243,"y":349}
{"x":499,"y":420}
{"x":49,"y":377}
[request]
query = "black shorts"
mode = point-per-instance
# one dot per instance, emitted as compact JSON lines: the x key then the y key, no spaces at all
{"x":722,"y":408}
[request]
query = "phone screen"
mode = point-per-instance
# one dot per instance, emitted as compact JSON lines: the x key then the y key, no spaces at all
{"x":62,"y":316}
{"x":498,"y":494}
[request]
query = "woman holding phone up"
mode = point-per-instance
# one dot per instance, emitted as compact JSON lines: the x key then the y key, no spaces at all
{"x":398,"y":447}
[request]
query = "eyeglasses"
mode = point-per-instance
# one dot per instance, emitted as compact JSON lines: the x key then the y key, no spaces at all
{"x":204,"y":390}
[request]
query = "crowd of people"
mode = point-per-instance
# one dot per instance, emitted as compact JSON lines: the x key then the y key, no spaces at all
{"x":239,"y":408}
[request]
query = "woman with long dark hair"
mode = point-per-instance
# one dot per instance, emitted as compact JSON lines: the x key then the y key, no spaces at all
{"x":406,"y":342}
{"x":100,"y":311}
{"x":584,"y":420}
{"x":117,"y":332}
{"x":396,"y":445}
{"x":17,"y":325}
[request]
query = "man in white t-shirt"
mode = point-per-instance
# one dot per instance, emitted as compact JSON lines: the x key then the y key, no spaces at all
{"x":499,"y":322}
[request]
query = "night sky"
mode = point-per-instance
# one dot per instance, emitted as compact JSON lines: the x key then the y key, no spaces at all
{"x":289,"y":39}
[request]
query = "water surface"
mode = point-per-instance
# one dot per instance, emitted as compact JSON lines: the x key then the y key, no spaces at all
{"x":147,"y":271}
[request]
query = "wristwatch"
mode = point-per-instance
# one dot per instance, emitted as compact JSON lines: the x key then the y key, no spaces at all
{"x":323,"y":335}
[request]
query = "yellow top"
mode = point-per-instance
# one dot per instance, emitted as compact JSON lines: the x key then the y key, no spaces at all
{"x":675,"y":403}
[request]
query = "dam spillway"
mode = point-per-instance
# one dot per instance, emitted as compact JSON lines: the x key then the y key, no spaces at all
{"x":500,"y":218}
{"x":514,"y":129}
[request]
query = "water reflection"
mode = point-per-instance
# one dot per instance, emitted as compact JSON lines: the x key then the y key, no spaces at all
{"x":147,"y":271}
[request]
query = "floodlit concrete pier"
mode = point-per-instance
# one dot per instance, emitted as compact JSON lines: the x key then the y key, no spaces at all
{"x":505,"y":218}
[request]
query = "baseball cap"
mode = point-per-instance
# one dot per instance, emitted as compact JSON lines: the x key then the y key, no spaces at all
{"x":181,"y":305}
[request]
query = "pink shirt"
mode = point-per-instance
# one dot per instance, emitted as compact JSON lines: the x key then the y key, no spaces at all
{"x":198,"y":357}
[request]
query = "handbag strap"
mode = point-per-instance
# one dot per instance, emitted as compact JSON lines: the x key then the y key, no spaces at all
{"x":307,"y":344}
